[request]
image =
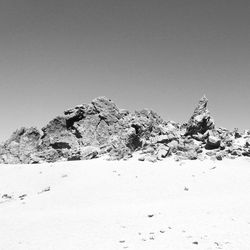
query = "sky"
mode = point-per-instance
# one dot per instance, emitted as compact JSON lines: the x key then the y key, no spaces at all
{"x":158,"y":54}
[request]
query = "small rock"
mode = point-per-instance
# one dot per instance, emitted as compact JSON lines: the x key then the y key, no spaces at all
{"x":21,"y":197}
{"x":6,"y":196}
{"x":141,"y":158}
{"x":219,"y":157}
{"x":151,"y":159}
{"x":44,"y":190}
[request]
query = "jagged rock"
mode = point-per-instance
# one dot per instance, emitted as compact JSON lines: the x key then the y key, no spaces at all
{"x":247,"y":144}
{"x":56,"y":136}
{"x":22,"y":143}
{"x":151,"y":158}
{"x":213,"y":142}
{"x":173,"y":145}
{"x":246,"y":152}
{"x":149,"y":150}
{"x":163,"y":153}
{"x":46,"y":155}
{"x":188,"y":145}
{"x":246,"y":133}
{"x":89,"y":152}
{"x":106,"y":109}
{"x":236,"y":152}
{"x":119,"y":153}
{"x":220,"y":155}
{"x":101,"y":128}
{"x":201,"y":121}
{"x":236,"y":133}
{"x":187,"y":155}
{"x":165,"y":138}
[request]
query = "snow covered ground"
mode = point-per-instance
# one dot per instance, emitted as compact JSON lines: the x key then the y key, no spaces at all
{"x":103,"y":205}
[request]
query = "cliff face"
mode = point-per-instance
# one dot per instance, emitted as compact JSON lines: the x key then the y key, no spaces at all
{"x":101,"y":128}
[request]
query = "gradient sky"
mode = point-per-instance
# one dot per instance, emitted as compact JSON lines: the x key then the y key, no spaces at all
{"x":156,"y":54}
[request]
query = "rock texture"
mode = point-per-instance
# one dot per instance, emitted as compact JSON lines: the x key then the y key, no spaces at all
{"x":101,"y":128}
{"x":201,"y":121}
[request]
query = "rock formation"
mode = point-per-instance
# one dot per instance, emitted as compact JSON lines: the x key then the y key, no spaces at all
{"x":200,"y":121}
{"x":101,"y":128}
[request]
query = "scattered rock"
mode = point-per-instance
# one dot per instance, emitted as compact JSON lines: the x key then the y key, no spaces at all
{"x":150,"y":215}
{"x":21,"y":197}
{"x":44,"y":190}
{"x":6,"y":196}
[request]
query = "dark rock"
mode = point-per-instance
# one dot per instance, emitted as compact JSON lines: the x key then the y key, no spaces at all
{"x":236,"y":152}
{"x":246,"y":152}
{"x":219,"y":156}
{"x":213,"y":142}
{"x":247,"y":144}
{"x":236,"y":133}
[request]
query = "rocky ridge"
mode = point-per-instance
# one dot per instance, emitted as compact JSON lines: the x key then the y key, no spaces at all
{"x":101,"y":128}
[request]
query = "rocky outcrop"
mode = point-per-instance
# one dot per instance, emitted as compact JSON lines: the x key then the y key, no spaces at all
{"x":100,"y":128}
{"x":20,"y":147}
{"x":200,"y":121}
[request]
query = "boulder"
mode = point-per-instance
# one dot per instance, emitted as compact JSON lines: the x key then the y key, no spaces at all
{"x":188,"y":155}
{"x":247,"y":143}
{"x":22,"y":143}
{"x":213,"y":142}
{"x":46,"y":155}
{"x":106,"y":109}
{"x":89,"y":152}
{"x":163,"y":153}
{"x":141,"y":158}
{"x":151,"y":158}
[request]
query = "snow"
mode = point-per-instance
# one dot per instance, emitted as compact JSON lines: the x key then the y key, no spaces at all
{"x":105,"y":205}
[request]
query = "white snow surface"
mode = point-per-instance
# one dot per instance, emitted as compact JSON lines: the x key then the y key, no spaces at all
{"x":106,"y":205}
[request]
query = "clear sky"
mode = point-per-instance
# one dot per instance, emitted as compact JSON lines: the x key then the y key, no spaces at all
{"x":158,"y":54}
